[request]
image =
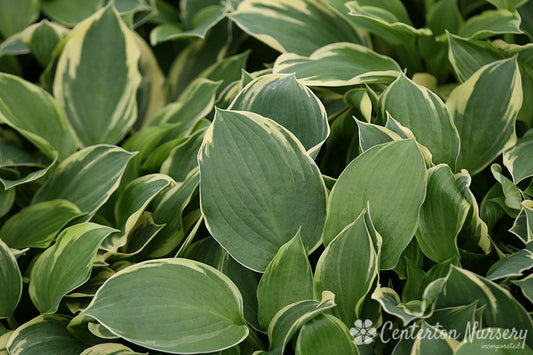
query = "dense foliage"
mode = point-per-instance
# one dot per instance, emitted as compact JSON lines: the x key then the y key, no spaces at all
{"x":266,"y":177}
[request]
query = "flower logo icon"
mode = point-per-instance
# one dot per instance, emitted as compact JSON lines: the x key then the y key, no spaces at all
{"x":363,"y":331}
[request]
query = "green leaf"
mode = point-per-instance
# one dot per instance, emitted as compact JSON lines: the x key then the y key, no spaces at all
{"x":490,"y":23}
{"x":193,"y":104}
{"x":424,"y":113}
{"x":109,"y":349}
{"x":7,"y":198}
{"x":277,"y":22}
{"x":287,"y":279}
{"x":168,"y":210}
{"x":494,"y":94}
{"x":339,"y":64}
{"x":442,"y":215}
{"x":519,"y":159}
{"x":499,"y":302}
{"x":20,"y":231}
{"x":507,"y":4}
{"x":87,"y":178}
{"x":40,"y":39}
{"x":371,"y":134}
{"x":16,"y":15}
{"x":526,"y":284}
{"x":289,"y":320}
{"x":182,"y":159}
{"x":66,"y":265}
{"x":45,"y":334}
{"x":512,"y":265}
{"x":387,"y":19}
{"x":325,"y":334}
{"x":282,"y":189}
{"x":297,"y":107}
{"x":69,"y":12}
{"x":394,"y":187}
{"x":131,"y":203}
{"x":348,"y":268}
{"x":204,"y":20}
{"x":513,"y":195}
{"x":468,"y":56}
{"x":10,"y":282}
{"x":36,"y":115}
{"x":97,"y":78}
{"x":171,"y":305}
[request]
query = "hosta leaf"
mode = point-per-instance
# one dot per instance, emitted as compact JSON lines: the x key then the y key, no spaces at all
{"x":526,"y":284}
{"x":499,"y":302}
{"x":10,"y":282}
{"x":325,"y":334}
{"x":16,"y":15}
{"x":4,"y":339}
{"x":97,"y":78}
{"x":339,"y":64}
{"x":424,"y":113}
{"x":291,"y":318}
{"x":468,"y":56}
{"x":278,"y":22}
{"x":348,"y":268}
{"x":7,"y":198}
{"x":20,"y":230}
{"x":507,"y":4}
{"x":519,"y":159}
{"x":490,"y":23}
{"x":66,"y":265}
{"x":512,"y":194}
{"x":69,"y":12}
{"x":246,"y":280}
{"x":36,"y":115}
{"x":151,"y":93}
{"x":86,"y":178}
{"x":168,"y":210}
{"x":45,"y":334}
{"x":183,"y":158}
{"x":280,"y":188}
{"x":297,"y":108}
{"x":484,"y":110}
{"x":395,"y":189}
{"x":442,"y":215}
{"x":204,"y":20}
{"x":512,"y":265}
{"x":193,"y":104}
{"x":172,"y":305}
{"x":109,"y":349}
{"x":287,"y":279}
{"x":371,"y":134}
{"x":40,"y":39}
{"x":387,"y":19}
{"x":131,"y":204}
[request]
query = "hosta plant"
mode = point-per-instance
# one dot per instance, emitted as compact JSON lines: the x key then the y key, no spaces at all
{"x":266,"y":177}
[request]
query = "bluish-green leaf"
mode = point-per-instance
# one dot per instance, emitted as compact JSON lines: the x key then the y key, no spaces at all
{"x":287,"y":279}
{"x":97,"y":77}
{"x":325,"y":334}
{"x":16,"y":15}
{"x":172,"y":305}
{"x":258,"y":187}
{"x":484,"y":109}
{"x":339,"y":64}
{"x":442,"y":215}
{"x":87,"y":178}
{"x":66,"y":265}
{"x":348,"y":268}
{"x":297,"y":108}
{"x":50,"y":217}
{"x":519,"y":159}
{"x":490,"y":23}
{"x":10,"y":282}
{"x":278,"y":22}
{"x":390,"y":177}
{"x":45,"y":334}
